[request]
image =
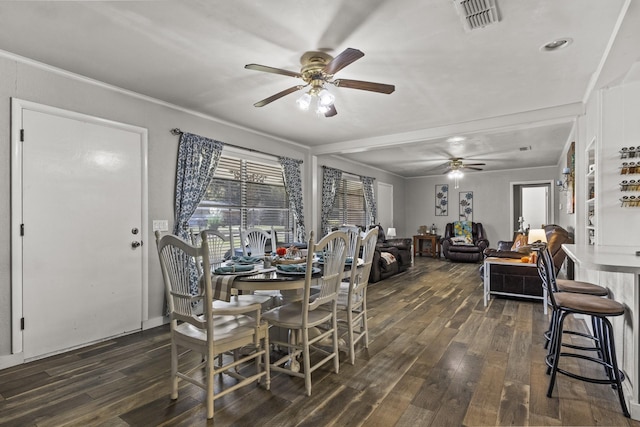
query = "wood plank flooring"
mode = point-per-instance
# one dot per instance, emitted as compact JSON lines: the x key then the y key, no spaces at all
{"x":437,"y":357}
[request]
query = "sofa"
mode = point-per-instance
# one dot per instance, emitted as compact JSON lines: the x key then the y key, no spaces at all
{"x":392,"y":256}
{"x":464,"y":248}
{"x":524,"y":281}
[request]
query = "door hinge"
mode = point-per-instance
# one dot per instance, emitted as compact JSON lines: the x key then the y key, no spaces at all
{"x":22,"y":229}
{"x":22,"y":324}
{"x":21,"y":135}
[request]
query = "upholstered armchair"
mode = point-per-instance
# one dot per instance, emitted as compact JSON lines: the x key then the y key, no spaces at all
{"x":464,"y":241}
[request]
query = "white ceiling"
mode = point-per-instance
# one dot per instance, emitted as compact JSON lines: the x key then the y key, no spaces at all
{"x":493,"y":85}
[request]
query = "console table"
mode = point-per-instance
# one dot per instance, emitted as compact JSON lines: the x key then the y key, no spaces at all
{"x":433,"y":249}
{"x":529,"y":270}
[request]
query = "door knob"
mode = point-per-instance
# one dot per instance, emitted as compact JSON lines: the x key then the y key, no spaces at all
{"x":135,"y":244}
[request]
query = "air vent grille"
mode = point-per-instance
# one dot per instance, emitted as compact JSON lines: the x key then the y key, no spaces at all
{"x":477,"y":13}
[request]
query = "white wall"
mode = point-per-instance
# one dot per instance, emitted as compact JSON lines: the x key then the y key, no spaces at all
{"x":491,"y":202}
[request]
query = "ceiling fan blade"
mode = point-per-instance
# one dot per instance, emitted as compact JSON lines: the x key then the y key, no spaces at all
{"x":258,"y":67}
{"x":277,"y":96}
{"x":348,"y":56}
{"x":332,"y":111}
{"x":475,"y":169}
{"x":370,"y":86}
{"x":475,"y":164}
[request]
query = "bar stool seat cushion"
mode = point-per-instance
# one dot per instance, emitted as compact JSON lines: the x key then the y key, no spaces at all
{"x":578,"y":287}
{"x":588,"y":304}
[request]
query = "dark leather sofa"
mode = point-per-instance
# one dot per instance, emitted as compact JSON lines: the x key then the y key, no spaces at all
{"x":400,"y":249}
{"x":525,"y":281}
{"x":465,"y":253}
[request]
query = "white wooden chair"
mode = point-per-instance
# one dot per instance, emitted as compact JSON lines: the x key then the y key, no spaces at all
{"x":352,"y":297}
{"x":299,"y":317}
{"x":207,"y":334}
{"x":219,"y":245}
{"x":353,"y":233}
{"x":254,"y":241}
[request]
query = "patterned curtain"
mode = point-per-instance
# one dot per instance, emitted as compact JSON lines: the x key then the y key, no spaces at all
{"x":367,"y":186}
{"x":330,"y":179}
{"x":197,"y":161}
{"x":293,"y":187}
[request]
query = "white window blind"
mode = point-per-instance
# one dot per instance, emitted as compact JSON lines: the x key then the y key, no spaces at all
{"x":349,"y":206}
{"x":245,"y":194}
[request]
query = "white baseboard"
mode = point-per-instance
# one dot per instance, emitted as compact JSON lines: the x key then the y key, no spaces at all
{"x":156,"y":321}
{"x":9,"y":360}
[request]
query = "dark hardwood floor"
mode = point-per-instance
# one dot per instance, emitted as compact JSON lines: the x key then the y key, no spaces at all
{"x":437,"y":357}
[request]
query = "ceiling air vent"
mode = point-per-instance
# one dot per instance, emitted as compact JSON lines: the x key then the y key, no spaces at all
{"x":477,"y":13}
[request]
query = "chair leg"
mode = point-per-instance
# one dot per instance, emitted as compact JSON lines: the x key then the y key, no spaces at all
{"x":210,"y":368}
{"x":365,"y":324}
{"x":351,"y":344}
{"x":611,"y":349}
{"x":267,"y":361}
{"x":556,"y":345}
{"x":336,"y":353}
{"x":174,"y":370}
{"x":306,"y":358}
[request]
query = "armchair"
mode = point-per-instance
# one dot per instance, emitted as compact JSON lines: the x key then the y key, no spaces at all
{"x":464,"y":241}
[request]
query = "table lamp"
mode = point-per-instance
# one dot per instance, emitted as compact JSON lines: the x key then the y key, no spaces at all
{"x":537,"y":237}
{"x":391,"y":232}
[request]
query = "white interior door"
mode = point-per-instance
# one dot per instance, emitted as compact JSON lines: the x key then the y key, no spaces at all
{"x":82,"y":202}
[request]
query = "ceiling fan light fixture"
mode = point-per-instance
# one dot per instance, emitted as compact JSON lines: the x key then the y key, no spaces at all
{"x":456,"y":175}
{"x":325,"y":98}
{"x":304,"y":102}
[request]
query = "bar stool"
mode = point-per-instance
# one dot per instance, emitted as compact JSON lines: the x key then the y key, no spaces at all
{"x":600,"y":309}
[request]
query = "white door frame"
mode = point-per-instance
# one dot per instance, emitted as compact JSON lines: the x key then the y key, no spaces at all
{"x":17,"y":106}
{"x":550,"y":198}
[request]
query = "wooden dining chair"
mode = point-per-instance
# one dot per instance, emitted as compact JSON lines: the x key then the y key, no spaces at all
{"x":204,"y":332}
{"x":352,"y":297}
{"x":312,"y":312}
{"x":254,"y":241}
{"x":353,"y":234}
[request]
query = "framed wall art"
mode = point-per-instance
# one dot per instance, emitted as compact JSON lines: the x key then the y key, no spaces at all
{"x":466,"y":206}
{"x":442,"y":199}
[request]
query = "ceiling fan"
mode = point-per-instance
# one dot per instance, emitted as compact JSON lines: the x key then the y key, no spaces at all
{"x":456,"y":166}
{"x":318,"y":69}
{"x":456,"y":163}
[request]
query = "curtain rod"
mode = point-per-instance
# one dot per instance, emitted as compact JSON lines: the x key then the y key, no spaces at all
{"x":349,"y":173}
{"x":177,"y":131}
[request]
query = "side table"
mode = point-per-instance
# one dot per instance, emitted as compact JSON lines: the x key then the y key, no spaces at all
{"x":433,"y":249}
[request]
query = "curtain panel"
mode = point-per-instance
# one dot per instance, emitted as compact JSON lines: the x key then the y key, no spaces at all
{"x":330,"y":179}
{"x":197,"y":161}
{"x":367,"y":186}
{"x":293,"y":187}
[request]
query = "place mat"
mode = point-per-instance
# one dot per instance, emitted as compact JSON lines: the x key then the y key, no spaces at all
{"x":296,"y":269}
{"x":245,"y":260}
{"x":231,"y":269}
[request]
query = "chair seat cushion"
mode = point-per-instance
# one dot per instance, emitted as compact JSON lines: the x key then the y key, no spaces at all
{"x":465,"y":249}
{"x":578,"y":287}
{"x":226,"y":328}
{"x":290,"y":316}
{"x":588,"y":304}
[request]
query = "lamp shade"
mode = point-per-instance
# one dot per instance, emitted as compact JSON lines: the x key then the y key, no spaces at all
{"x":537,"y":235}
{"x":391,"y":232}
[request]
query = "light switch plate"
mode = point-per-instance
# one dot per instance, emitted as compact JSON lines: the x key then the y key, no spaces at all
{"x":160,"y":225}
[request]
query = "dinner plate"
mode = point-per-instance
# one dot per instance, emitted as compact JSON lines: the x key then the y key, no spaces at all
{"x":314,"y":270}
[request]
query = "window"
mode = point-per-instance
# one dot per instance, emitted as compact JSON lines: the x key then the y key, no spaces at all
{"x":349,"y":206}
{"x":245,"y":194}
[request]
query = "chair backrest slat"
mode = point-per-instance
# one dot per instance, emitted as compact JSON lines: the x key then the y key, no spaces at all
{"x":334,"y":248}
{"x":254,"y":241}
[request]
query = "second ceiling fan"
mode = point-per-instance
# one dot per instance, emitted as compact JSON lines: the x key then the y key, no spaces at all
{"x":318,"y":69}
